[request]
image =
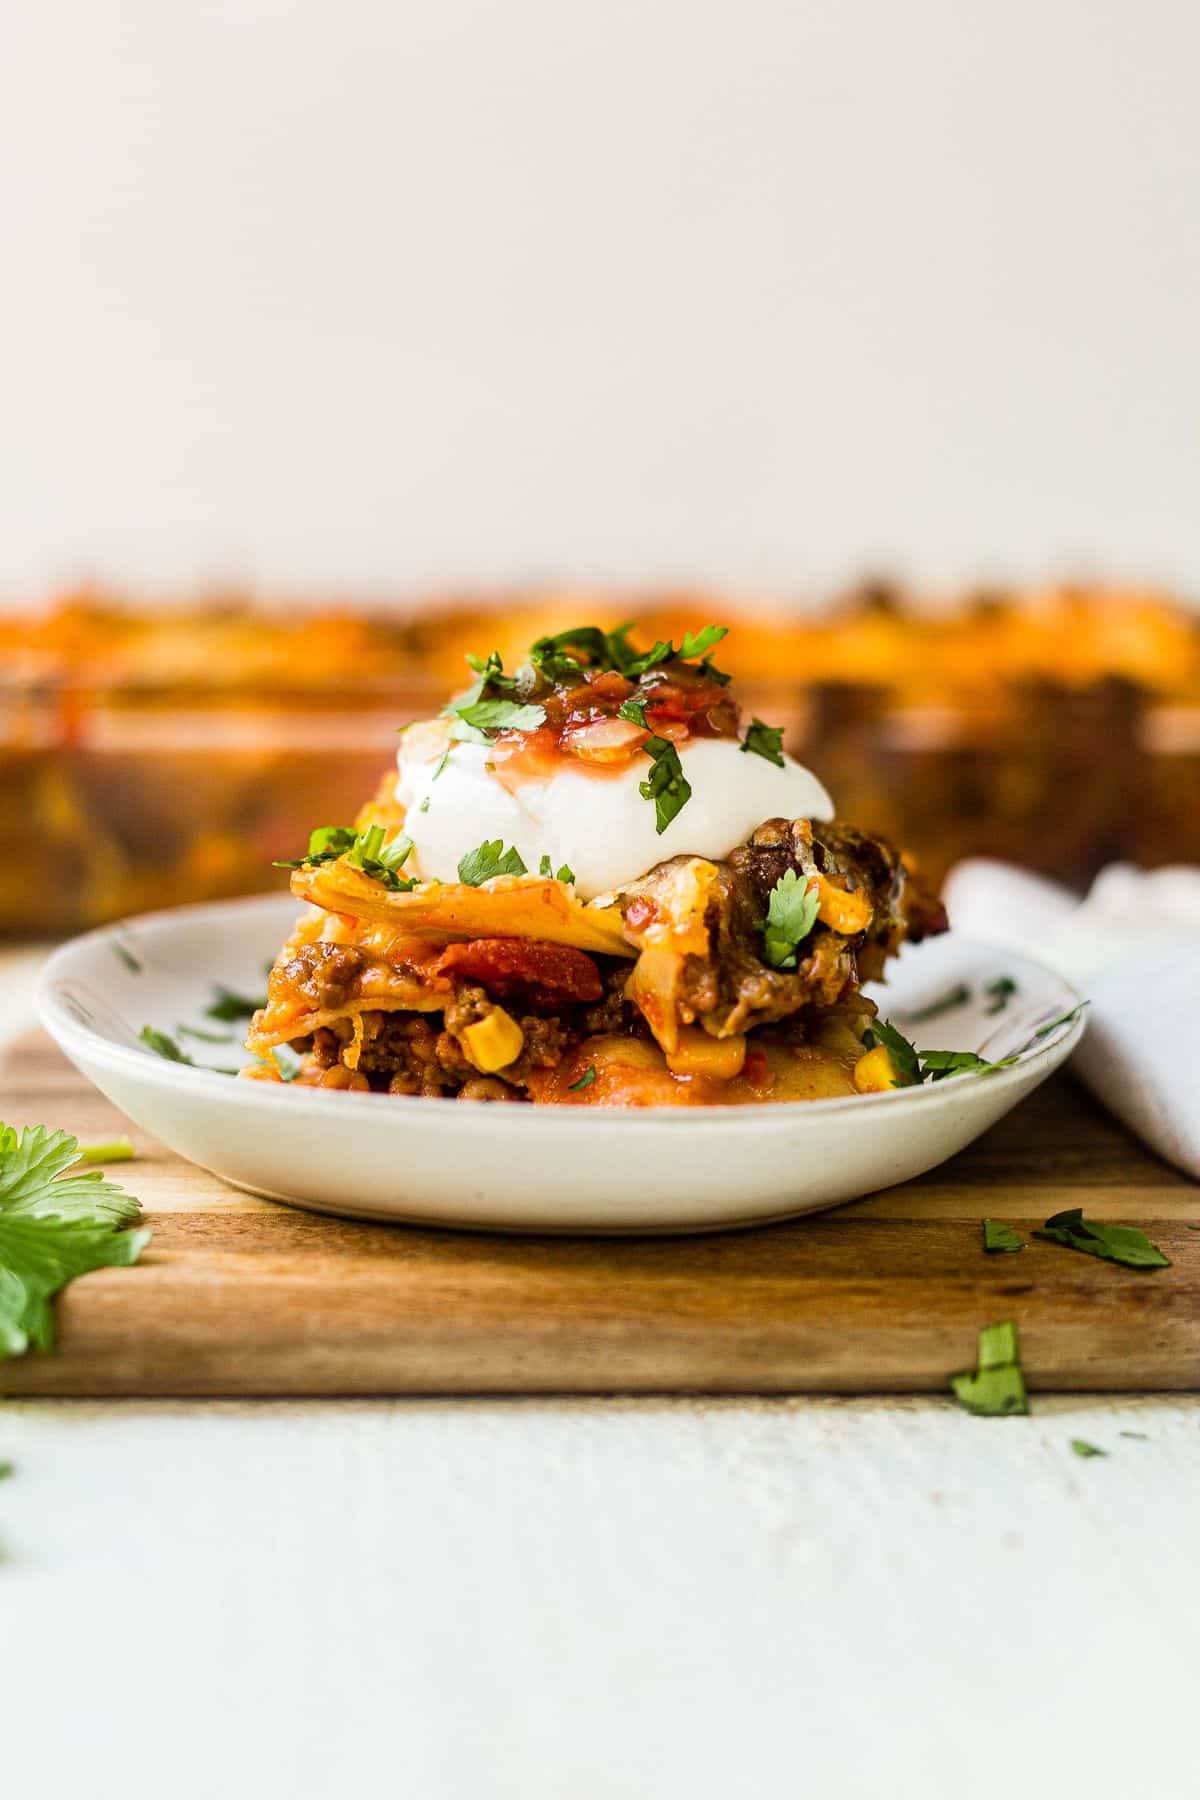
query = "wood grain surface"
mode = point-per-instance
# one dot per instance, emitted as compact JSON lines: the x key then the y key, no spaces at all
{"x":239,"y":1296}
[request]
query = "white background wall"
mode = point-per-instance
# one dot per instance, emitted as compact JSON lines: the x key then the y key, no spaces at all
{"x":373,"y":294}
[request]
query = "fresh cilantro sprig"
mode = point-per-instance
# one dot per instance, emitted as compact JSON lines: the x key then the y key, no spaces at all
{"x":791,"y":914}
{"x":666,"y":785}
{"x":999,"y":1238}
{"x":904,"y":1056}
{"x":765,"y":741}
{"x":54,"y":1226}
{"x":634,"y":709}
{"x":1081,"y":1447}
{"x":915,"y":1066}
{"x":565,"y":871}
{"x":367,"y":850}
{"x":996,"y":1388}
{"x":488,"y":860}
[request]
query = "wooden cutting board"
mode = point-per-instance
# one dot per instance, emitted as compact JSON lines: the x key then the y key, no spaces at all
{"x":239,"y":1296}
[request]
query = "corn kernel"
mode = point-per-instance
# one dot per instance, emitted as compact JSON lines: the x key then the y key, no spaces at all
{"x":875,"y":1072}
{"x":494,"y":1042}
{"x":844,"y":912}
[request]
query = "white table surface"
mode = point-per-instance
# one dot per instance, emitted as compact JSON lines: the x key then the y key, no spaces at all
{"x":586,"y":1599}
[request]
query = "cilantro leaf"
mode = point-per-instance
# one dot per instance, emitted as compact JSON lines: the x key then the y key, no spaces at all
{"x":938,"y":1065}
{"x":585,"y":1080}
{"x":1081,"y":1447}
{"x":695,"y":643}
{"x":791,"y":915}
{"x":488,"y":860}
{"x":325,"y":844}
{"x":667,"y":785}
{"x":999,"y":992}
{"x":565,"y":872}
{"x":366,"y":850}
{"x":634,"y":709}
{"x":1112,"y":1243}
{"x":382,"y":861}
{"x":502,"y":715}
{"x":996,"y":1389}
{"x":902,"y":1053}
{"x":163,"y":1045}
{"x":551,"y":656}
{"x":998,"y":1236}
{"x":955,"y":996}
{"x":229,"y":1006}
{"x":650,"y":659}
{"x":714,"y":674}
{"x":54,"y":1225}
{"x":765,"y":741}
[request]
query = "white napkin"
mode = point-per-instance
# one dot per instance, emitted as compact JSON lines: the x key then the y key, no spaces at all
{"x":1133,"y":949}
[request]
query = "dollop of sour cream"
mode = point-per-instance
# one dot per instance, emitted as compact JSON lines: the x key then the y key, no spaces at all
{"x":597,"y":823}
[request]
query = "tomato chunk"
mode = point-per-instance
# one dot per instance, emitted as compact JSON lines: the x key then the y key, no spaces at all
{"x":544,"y":974}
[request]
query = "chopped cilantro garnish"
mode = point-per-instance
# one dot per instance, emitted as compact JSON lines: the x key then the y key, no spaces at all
{"x":714,"y":674}
{"x":765,"y":741}
{"x":937,"y":1065}
{"x":442,"y":761}
{"x":565,"y":872}
{"x":54,"y":1225}
{"x":585,"y":1080}
{"x":1081,"y":1447}
{"x":502,"y":715}
{"x":695,"y":643}
{"x":956,"y":996}
{"x":424,"y":806}
{"x":634,"y":709}
{"x":1112,"y":1243}
{"x":566,"y":655}
{"x":163,"y":1046}
{"x":551,"y":656}
{"x":650,"y":659}
{"x":996,"y":1389}
{"x":999,"y":992}
{"x":487,"y":861}
{"x":121,"y":950}
{"x":903,"y":1054}
{"x":381,"y":860}
{"x":667,"y":785}
{"x":997,"y":1236}
{"x":229,"y":1006}
{"x":791,"y":915}
{"x":367,"y":850}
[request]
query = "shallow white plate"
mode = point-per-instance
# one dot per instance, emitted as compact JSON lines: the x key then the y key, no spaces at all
{"x":525,"y":1168}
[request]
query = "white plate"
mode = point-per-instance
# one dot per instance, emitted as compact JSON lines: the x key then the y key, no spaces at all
{"x":525,"y":1168}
